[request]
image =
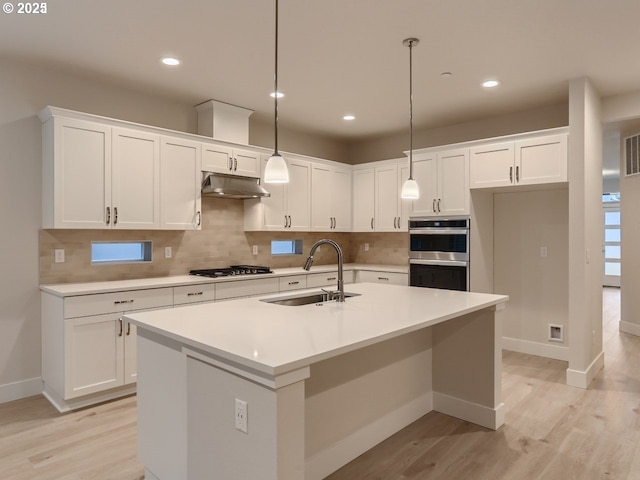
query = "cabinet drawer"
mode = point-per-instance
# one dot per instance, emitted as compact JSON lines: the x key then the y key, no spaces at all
{"x":328,"y":279}
{"x":292,"y":282}
{"x":84,"y":305}
{"x":392,"y":278}
{"x":246,"y":288}
{"x":204,"y":292}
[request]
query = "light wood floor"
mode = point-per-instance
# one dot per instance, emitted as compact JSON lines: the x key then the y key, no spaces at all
{"x":551,"y":431}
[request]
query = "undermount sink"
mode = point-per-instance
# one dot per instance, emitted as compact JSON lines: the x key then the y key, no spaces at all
{"x":304,"y":299}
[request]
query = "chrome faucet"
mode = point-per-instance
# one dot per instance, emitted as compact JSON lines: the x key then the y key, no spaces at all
{"x":309,"y":262}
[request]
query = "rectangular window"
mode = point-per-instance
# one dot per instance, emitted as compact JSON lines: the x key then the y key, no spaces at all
{"x":104,"y":253}
{"x":286,"y":247}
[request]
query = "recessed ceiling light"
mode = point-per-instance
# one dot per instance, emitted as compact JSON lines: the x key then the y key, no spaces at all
{"x":280,"y":94}
{"x":349,"y":117}
{"x":491,"y":83}
{"x":170,"y":61}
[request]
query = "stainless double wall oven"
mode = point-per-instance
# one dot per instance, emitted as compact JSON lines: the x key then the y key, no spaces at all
{"x":439,"y":252}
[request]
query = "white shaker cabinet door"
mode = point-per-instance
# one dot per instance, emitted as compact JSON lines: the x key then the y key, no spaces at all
{"x":453,"y":182}
{"x":78,"y":160}
{"x":341,"y":200}
{"x":542,"y":160}
{"x":299,"y":196}
{"x":180,"y":173}
{"x":94,"y":358}
{"x":135,"y":180}
{"x":363,"y":200}
{"x":321,"y":198}
{"x":492,"y":165}
{"x":425,"y":173}
{"x":386,"y":198}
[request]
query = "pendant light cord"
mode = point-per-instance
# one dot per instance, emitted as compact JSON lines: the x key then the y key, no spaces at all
{"x":410,"y":110}
{"x":275,"y":93}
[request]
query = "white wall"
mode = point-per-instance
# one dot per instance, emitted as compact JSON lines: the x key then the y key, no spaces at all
{"x":537,"y":286}
{"x":586,"y":266}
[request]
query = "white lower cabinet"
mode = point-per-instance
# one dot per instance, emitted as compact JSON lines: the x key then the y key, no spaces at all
{"x":88,"y":348}
{"x":329,"y":279}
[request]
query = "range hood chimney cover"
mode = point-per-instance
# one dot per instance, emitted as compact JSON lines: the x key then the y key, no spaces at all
{"x":231,"y":186}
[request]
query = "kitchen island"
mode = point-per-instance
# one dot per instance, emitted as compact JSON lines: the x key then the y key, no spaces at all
{"x":314,"y":386}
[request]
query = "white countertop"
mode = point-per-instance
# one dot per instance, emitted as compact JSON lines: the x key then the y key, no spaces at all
{"x":88,"y":288}
{"x":275,"y":339}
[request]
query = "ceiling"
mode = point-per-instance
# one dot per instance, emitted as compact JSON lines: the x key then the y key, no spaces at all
{"x":342,"y":56}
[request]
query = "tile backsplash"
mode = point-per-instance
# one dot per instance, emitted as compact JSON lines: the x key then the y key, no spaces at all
{"x":221,"y":242}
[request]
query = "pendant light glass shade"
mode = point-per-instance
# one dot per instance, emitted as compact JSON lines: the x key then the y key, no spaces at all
{"x":276,"y":170}
{"x":410,"y":189}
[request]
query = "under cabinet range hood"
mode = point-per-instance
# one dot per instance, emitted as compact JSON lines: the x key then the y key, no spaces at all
{"x":231,"y":186}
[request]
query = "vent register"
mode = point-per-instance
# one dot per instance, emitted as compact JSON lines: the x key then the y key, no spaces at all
{"x":632,"y":155}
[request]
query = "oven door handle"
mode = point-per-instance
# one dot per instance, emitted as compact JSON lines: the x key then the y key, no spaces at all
{"x":439,"y":231}
{"x":452,"y":263}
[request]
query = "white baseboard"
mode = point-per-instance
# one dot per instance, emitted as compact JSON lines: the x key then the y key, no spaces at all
{"x":582,"y":379}
{"x":323,"y":463}
{"x":627,"y":327}
{"x":22,"y":389}
{"x":536,"y":348}
{"x":488,"y":417}
{"x":74,"y":403}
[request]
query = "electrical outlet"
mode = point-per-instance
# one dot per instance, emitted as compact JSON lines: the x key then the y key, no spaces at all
{"x":167,"y":252}
{"x":254,"y":249}
{"x":242,"y":419}
{"x":366,"y":247}
{"x":59,"y":255}
{"x":543,"y":251}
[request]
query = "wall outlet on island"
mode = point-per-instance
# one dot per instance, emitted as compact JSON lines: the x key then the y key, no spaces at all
{"x":167,"y":252}
{"x":254,"y":249}
{"x":366,"y":247}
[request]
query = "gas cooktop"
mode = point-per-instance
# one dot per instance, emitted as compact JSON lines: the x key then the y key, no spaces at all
{"x":232,"y":270}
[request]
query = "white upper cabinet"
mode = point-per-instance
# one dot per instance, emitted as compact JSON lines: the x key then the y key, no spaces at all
{"x":289,"y":206}
{"x":135,"y":180}
{"x":76,"y":174}
{"x":180,"y":172}
{"x":391,"y":212}
{"x":443,"y":180}
{"x":330,"y":198}
{"x":107,"y":176}
{"x":531,"y":161}
{"x":364,"y":200}
{"x":233,"y":161}
{"x":377,"y":206}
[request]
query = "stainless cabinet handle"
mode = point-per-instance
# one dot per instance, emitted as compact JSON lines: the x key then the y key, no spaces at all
{"x":108,"y":215}
{"x":230,"y":163}
{"x":371,"y":223}
{"x":289,"y":221}
{"x":439,"y":206}
{"x":128,"y":329}
{"x":294,"y":283}
{"x":383,"y":278}
{"x":517,"y":173}
{"x":199,"y":215}
{"x":285,"y":221}
{"x":120,"y":322}
{"x":395,"y":219}
{"x":235,"y":164}
{"x":120,"y":302}
{"x":510,"y":174}
{"x":331,"y":279}
{"x":193,"y":294}
{"x":115,"y":215}
{"x":433,"y":205}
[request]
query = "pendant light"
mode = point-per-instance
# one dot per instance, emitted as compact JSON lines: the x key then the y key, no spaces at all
{"x":276,"y":170}
{"x":410,"y":190}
